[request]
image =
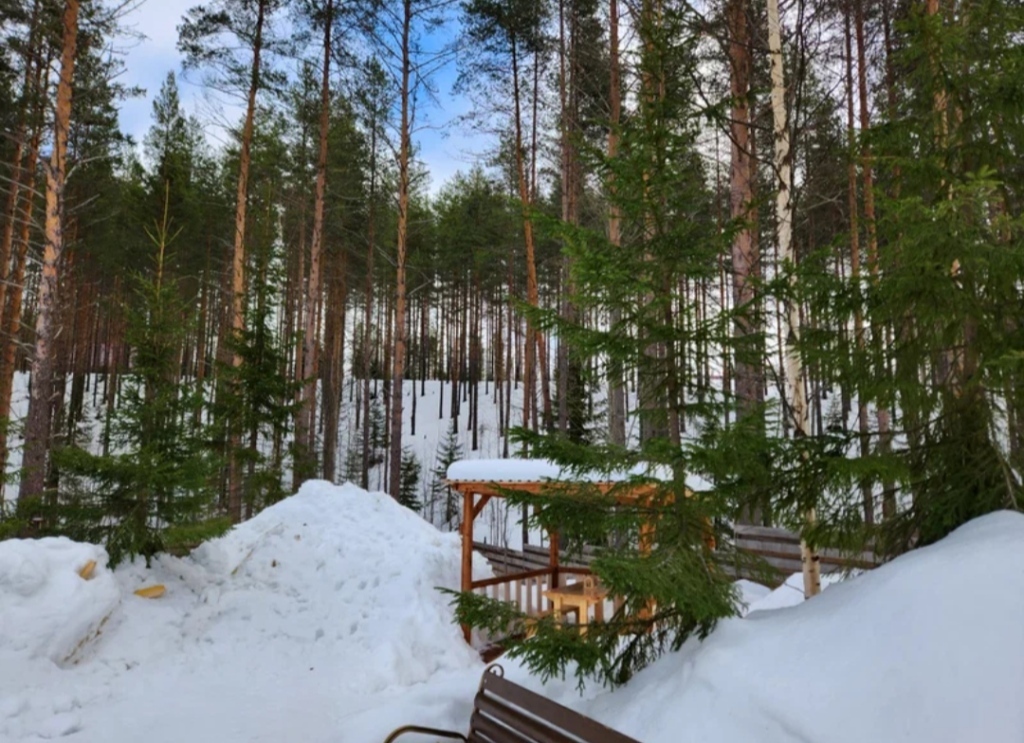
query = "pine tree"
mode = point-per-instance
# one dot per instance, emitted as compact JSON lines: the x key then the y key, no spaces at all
{"x":256,"y":404}
{"x":39,"y":420}
{"x":232,"y":40}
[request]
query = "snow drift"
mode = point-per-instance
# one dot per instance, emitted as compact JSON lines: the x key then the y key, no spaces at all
{"x":47,"y":610}
{"x":926,"y":648}
{"x":320,"y":621}
{"x":308,"y":610}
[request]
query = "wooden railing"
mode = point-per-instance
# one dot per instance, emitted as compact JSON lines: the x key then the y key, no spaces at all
{"x":504,"y":561}
{"x":779,"y":551}
{"x":522,"y":577}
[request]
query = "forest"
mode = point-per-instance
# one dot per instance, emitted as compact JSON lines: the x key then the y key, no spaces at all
{"x":776,"y":244}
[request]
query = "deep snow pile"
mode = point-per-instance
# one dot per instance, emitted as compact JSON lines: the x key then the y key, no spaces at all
{"x":310,"y":610}
{"x":927,"y":648}
{"x":319,"y":621}
{"x":46,"y":609}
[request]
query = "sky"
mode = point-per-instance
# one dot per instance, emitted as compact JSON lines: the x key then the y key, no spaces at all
{"x":444,"y":146}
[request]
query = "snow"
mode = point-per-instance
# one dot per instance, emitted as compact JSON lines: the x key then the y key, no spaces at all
{"x":925,"y":648}
{"x":46,"y":609}
{"x":317,"y":608}
{"x":541,"y":470}
{"x":320,"y":620}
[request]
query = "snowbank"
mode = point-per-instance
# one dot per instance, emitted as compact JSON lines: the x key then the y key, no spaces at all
{"x":48,"y":610}
{"x":293,"y":621}
{"x":320,"y":621}
{"x":927,"y":648}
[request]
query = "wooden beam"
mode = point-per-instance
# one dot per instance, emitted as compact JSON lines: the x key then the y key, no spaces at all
{"x":467,"y":551}
{"x":480,"y":506}
{"x":510,"y":577}
{"x":553,"y":552}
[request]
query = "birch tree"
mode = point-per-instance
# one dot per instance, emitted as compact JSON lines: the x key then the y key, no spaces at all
{"x":796,"y":398}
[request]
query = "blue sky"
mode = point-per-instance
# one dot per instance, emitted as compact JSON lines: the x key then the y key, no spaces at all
{"x":443,"y":146}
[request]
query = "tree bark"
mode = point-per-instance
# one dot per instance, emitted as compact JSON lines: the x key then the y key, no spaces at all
{"x":748,"y":375}
{"x":616,"y":391}
{"x":398,"y":362}
{"x":744,"y":251}
{"x":37,"y":424}
{"x":10,"y":326}
{"x":30,"y":88}
{"x":238,"y":256}
{"x":338,"y":303}
{"x":797,"y":399}
{"x":304,"y":434}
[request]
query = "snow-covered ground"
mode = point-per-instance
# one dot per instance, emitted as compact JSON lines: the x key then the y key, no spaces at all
{"x":320,"y":621}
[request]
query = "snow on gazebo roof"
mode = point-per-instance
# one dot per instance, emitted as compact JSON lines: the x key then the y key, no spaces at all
{"x":544,"y":470}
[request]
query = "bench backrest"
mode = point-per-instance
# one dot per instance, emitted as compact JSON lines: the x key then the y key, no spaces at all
{"x":505,"y":712}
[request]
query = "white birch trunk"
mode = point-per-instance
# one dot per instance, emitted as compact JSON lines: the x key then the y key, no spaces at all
{"x":796,"y":398}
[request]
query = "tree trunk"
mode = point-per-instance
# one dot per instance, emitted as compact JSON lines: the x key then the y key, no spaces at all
{"x":398,"y":362}
{"x":532,"y":298}
{"x":303,"y":434}
{"x":238,"y":256}
{"x":30,"y":87}
{"x":797,"y":399}
{"x":745,"y":258}
{"x":338,"y":303}
{"x":37,"y":424}
{"x":858,"y":317}
{"x":616,"y":391}
{"x":10,"y":329}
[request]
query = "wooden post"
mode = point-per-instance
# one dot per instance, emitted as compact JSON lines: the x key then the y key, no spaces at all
{"x":646,"y":540}
{"x":467,"y":550}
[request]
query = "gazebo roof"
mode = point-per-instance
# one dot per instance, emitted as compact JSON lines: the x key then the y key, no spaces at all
{"x":534,"y":475}
{"x":491,"y":476}
{"x":526,"y":471}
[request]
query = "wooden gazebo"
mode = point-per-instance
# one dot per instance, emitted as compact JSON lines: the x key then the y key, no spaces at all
{"x":560,"y":587}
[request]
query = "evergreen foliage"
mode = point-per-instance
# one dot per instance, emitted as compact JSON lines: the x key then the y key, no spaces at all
{"x":907,"y":232}
{"x":408,"y":489}
{"x":156,"y":490}
{"x":256,"y":398}
{"x":444,"y":506}
{"x":668,"y":210}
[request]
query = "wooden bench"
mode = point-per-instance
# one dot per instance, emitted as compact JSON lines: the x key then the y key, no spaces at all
{"x":505,"y":712}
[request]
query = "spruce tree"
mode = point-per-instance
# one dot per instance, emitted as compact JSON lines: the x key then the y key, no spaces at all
{"x":444,"y":506}
{"x":409,"y":483}
{"x":674,"y":585}
{"x":156,"y":491}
